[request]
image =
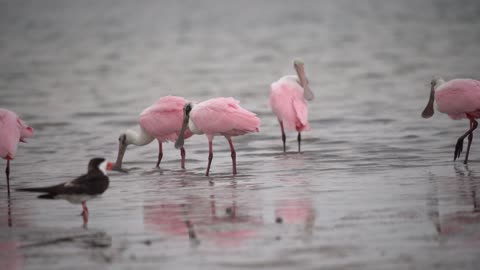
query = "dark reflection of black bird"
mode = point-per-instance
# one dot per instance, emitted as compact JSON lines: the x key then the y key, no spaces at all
{"x":81,"y":189}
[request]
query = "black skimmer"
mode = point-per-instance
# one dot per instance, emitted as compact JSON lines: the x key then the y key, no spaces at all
{"x":81,"y":189}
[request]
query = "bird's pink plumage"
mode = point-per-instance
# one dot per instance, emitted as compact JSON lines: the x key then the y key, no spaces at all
{"x":459,"y":98}
{"x":9,"y":134}
{"x":289,"y":105}
{"x":163,"y":120}
{"x":224,"y":116}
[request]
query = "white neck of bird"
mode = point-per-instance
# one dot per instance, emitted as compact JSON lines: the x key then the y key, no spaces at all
{"x":138,"y":138}
{"x":438,"y":83}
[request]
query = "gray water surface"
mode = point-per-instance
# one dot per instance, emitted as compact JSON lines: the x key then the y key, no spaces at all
{"x":375,"y":186}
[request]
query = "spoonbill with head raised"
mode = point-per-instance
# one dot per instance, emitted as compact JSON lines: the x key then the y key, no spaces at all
{"x":12,"y":130}
{"x":459,"y":98}
{"x":218,"y":117}
{"x":161,"y":121}
{"x":288,"y":100}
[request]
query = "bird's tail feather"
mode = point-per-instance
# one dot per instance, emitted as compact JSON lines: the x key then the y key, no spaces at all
{"x":39,"y":189}
{"x":47,"y":196}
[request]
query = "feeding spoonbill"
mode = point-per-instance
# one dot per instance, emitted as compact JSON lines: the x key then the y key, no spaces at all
{"x":82,"y":188}
{"x":161,"y":121}
{"x":288,"y":100}
{"x":459,"y":98}
{"x":12,"y":130}
{"x":218,"y":117}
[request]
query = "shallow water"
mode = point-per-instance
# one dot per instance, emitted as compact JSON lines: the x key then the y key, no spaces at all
{"x":375,"y":186}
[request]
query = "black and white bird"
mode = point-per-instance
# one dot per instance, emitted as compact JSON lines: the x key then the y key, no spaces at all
{"x":81,"y":189}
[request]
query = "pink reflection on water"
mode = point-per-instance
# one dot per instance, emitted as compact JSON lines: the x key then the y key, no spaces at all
{"x":11,"y":257}
{"x":203,"y":219}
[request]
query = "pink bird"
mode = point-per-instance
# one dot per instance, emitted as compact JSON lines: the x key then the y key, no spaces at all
{"x":288,"y":100}
{"x":215,"y":117}
{"x":161,"y":121}
{"x":459,"y":98}
{"x":12,"y":131}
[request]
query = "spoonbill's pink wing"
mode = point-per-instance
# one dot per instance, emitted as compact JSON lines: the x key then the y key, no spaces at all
{"x":301,"y":113}
{"x":289,"y":105}
{"x":224,"y":116}
{"x":9,"y":134}
{"x":163,"y":120}
{"x":459,"y":97}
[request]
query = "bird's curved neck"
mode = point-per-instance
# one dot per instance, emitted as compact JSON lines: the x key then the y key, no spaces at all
{"x":138,"y":138}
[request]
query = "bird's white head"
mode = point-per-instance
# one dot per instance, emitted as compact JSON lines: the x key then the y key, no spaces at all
{"x":436,"y":82}
{"x":302,"y":78}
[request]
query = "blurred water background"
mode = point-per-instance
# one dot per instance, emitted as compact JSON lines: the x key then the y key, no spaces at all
{"x":375,"y":186}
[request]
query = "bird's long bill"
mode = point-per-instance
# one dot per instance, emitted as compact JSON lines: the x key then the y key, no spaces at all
{"x":121,"y":152}
{"x":428,"y":111}
{"x":181,"y":137}
{"x":307,"y":93}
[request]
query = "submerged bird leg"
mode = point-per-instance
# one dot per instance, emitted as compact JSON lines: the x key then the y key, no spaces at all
{"x":284,"y":138}
{"x":210,"y":156}
{"x":182,"y":154}
{"x":459,"y":145}
{"x":84,"y":213}
{"x":473,"y":126}
{"x":234,"y":156}
{"x":7,"y":172}
{"x":299,"y":139}
{"x":160,"y":153}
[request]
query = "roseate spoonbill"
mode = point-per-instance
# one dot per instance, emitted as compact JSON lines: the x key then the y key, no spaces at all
{"x":12,"y":130}
{"x":161,"y":121}
{"x":82,"y":188}
{"x":218,"y":116}
{"x":459,"y":98}
{"x":288,"y":100}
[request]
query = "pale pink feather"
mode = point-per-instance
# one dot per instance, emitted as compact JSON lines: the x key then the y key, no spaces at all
{"x":459,"y":98}
{"x":9,"y":134}
{"x":289,"y":105}
{"x":163,"y":120}
{"x":224,"y":116}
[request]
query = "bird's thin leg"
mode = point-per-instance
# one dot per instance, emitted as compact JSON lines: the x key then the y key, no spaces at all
{"x":7,"y":172}
{"x":210,"y":155}
{"x":234,"y":156}
{"x":84,"y":213}
{"x":284,"y":138}
{"x":473,"y":124}
{"x":299,"y":139}
{"x":160,"y":153}
{"x":182,"y":153}
{"x":459,"y":145}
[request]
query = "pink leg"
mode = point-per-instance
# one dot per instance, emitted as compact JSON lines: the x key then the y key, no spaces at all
{"x":84,"y":213}
{"x":160,"y":153}
{"x":234,"y":156}
{"x":182,"y":153}
{"x":210,"y":156}
{"x":7,"y":172}
{"x":284,"y":138}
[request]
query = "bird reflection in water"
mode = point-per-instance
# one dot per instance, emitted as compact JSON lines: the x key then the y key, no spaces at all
{"x":458,"y":224}
{"x":11,"y":258}
{"x":201,"y":219}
